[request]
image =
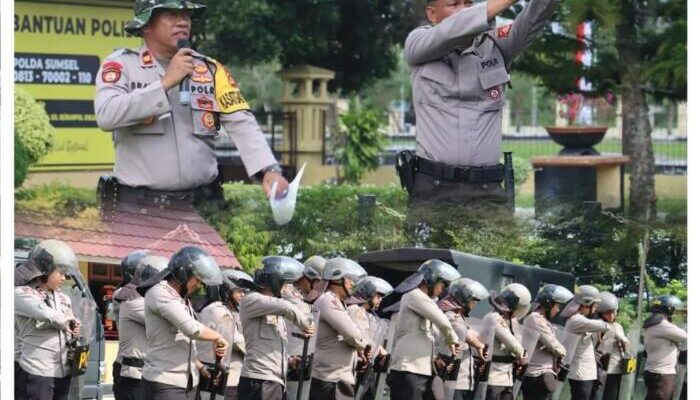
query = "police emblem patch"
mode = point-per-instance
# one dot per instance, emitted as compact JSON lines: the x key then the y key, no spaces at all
{"x":504,"y":31}
{"x":201,"y":78}
{"x":111,"y":71}
{"x":494,"y":93}
{"x":201,"y":69}
{"x":205,"y":103}
{"x":208,"y":120}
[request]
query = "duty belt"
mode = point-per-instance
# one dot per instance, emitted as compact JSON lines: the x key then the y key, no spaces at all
{"x":457,"y":173}
{"x":132,"y":362}
{"x":503,"y":359}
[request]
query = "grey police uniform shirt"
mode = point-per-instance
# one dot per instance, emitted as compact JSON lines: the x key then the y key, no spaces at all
{"x":237,"y":351}
{"x":160,"y":143}
{"x":661,"y":343}
{"x":295,"y":346}
{"x":414,"y":342}
{"x":583,"y":364}
{"x":504,"y":344}
{"x":132,"y":335}
{"x":548,"y":346}
{"x":171,"y":329}
{"x":43,"y":319}
{"x":219,"y":318}
{"x":459,"y":77}
{"x":465,"y":379}
{"x":609,"y":345}
{"x":265,"y":331}
{"x":337,"y":342}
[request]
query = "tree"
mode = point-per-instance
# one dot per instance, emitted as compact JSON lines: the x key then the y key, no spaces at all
{"x":362,"y":141}
{"x":355,"y":38}
{"x":34,"y":134}
{"x":639,"y":49}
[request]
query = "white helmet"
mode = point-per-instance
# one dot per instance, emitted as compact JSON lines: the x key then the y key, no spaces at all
{"x":608,"y":302}
{"x":514,"y":298}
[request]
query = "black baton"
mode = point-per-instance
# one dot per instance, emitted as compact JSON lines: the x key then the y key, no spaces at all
{"x":302,"y":364}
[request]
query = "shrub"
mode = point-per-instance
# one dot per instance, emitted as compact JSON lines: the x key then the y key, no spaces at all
{"x":33,"y":131}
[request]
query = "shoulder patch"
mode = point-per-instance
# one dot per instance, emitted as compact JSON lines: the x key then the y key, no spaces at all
{"x":228,"y":95}
{"x":504,"y":31}
{"x":111,"y":71}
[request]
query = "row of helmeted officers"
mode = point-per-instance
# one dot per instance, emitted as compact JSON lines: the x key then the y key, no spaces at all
{"x":326,"y":330}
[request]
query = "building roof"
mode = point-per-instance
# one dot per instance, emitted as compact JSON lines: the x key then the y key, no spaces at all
{"x":110,"y":240}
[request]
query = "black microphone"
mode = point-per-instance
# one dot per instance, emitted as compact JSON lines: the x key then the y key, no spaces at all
{"x":184,"y":87}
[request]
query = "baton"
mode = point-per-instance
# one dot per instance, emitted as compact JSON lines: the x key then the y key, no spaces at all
{"x":302,"y":364}
{"x":217,"y":370}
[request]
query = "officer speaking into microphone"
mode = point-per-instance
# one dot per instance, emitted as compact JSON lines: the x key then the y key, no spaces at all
{"x":165,"y":104}
{"x":460,"y":66}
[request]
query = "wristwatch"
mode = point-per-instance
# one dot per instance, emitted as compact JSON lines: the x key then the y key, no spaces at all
{"x":272,"y":168}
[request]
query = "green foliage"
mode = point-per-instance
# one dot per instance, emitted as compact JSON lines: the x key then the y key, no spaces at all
{"x":55,"y":199}
{"x":362,"y":141}
{"x":33,"y":130}
{"x":21,"y":162}
{"x":355,"y":38}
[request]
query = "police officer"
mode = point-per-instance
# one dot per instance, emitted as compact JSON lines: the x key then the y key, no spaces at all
{"x":332,"y":374}
{"x":459,"y":68}
{"x":170,"y":368}
{"x":44,"y":319}
{"x":414,"y":347}
{"x":262,"y":317}
{"x":125,"y":290}
{"x":613,"y":345}
{"x":509,"y":306}
{"x":302,"y":294}
{"x":161,"y":144}
{"x":132,"y":324}
{"x":218,"y":316}
{"x":363,"y":306}
{"x":661,"y":341}
{"x":236,"y":284}
{"x":463,"y":295}
{"x":584,"y":372}
{"x":540,"y":377}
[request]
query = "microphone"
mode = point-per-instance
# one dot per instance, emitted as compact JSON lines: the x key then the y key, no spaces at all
{"x":184,"y":87}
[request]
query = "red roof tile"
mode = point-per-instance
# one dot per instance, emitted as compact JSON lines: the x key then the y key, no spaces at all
{"x":162,"y":231}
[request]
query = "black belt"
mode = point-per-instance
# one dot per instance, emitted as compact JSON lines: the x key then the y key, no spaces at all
{"x":457,"y":173}
{"x":132,"y":362}
{"x":503,"y":359}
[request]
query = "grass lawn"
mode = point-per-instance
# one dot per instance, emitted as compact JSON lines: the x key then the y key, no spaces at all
{"x":674,"y":150}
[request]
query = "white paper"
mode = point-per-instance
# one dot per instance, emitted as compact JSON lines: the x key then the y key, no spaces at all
{"x":283,"y":209}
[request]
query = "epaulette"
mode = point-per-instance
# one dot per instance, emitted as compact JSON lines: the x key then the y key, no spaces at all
{"x":120,"y":52}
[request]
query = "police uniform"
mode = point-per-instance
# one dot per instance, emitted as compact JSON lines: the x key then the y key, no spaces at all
{"x":540,"y":378}
{"x":412,"y":356}
{"x":615,"y":344}
{"x":505,"y":348}
{"x":374,"y":330}
{"x":42,"y":318}
{"x":466,"y":380}
{"x":338,"y":340}
{"x":459,"y":69}
{"x":170,"y":369}
{"x":265,"y":364}
{"x":237,"y":355}
{"x":295,"y":346}
{"x":584,"y":370}
{"x":161,"y":144}
{"x":217,"y":317}
{"x":132,"y":342}
{"x":661,"y":341}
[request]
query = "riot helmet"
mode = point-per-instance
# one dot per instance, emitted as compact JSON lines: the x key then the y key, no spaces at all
{"x":608,"y":302}
{"x":465,"y":289}
{"x":367,"y":287}
{"x":148,"y":266}
{"x":586,"y":295}
{"x":191,"y":261}
{"x":44,"y":258}
{"x":666,"y":304}
{"x":514,"y":299}
{"x":338,"y":268}
{"x":434,"y":271}
{"x":130,"y":263}
{"x":549,"y":295}
{"x":276,"y":271}
{"x":143,"y":12}
{"x":313,"y":268}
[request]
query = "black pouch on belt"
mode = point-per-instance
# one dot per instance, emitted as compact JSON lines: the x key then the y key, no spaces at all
{"x":406,"y":168}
